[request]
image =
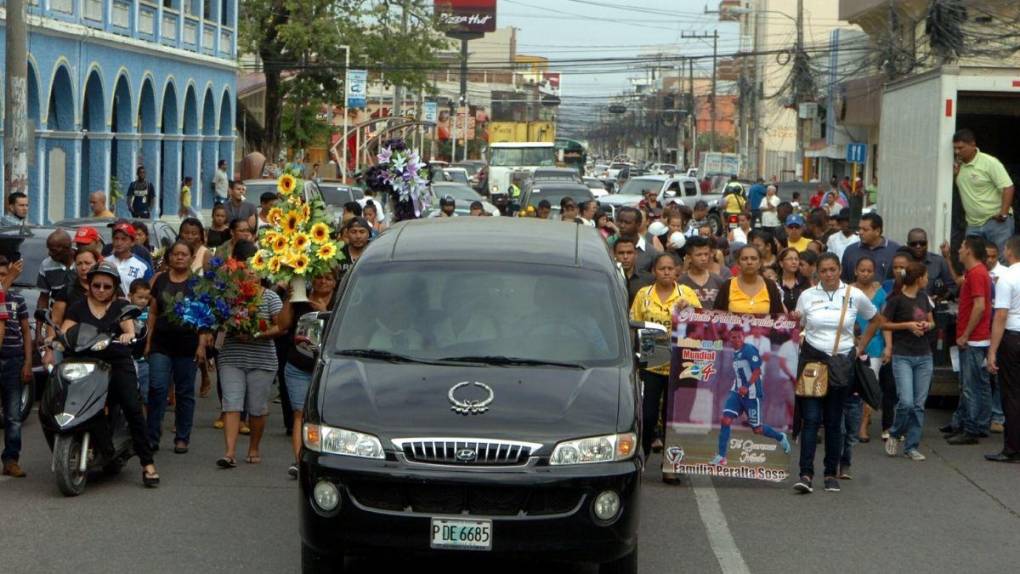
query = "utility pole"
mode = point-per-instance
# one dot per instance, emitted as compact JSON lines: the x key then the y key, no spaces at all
{"x":798,"y":91}
{"x":715,"y":64}
{"x":16,"y":99}
{"x":693,"y":115}
{"x":398,"y":90}
{"x":463,"y":93}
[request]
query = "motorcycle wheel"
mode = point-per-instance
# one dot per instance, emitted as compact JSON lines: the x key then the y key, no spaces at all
{"x":67,"y":455}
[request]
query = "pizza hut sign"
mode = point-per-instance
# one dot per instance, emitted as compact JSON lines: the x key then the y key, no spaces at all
{"x":466,"y":16}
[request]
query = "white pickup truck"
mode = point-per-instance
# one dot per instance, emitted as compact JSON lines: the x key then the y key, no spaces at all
{"x":669,"y":189}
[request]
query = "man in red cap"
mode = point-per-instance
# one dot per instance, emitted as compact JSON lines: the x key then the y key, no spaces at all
{"x":87,"y":238}
{"x":128,"y":264}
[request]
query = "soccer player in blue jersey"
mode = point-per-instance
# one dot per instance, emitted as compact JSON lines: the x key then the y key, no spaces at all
{"x":745,"y":396}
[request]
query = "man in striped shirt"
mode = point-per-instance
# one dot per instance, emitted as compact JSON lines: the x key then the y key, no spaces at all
{"x":15,"y":371}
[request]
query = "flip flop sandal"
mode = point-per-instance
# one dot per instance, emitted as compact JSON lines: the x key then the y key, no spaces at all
{"x":226,"y":463}
{"x":180,"y":449}
{"x":150,"y":480}
{"x":253,"y":459}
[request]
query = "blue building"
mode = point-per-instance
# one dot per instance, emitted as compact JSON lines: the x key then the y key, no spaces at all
{"x":116,"y":84}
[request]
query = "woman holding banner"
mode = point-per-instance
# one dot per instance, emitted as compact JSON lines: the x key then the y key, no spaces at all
{"x":655,"y":303}
{"x":827,"y":312}
{"x":749,"y":292}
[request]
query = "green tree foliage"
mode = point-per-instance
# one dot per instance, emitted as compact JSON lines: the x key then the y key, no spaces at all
{"x":299,"y":44}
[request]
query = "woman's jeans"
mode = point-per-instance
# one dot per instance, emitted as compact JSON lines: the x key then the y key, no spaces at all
{"x":654,"y":395}
{"x":815,"y":412}
{"x":913,"y":380}
{"x":164,"y":371}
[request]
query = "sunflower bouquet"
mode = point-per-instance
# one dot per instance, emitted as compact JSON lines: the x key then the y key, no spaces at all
{"x":298,"y":242}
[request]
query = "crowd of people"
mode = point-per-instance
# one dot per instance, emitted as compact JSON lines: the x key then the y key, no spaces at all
{"x":857,"y":295}
{"x":161,"y":361}
{"x":855,"y":292}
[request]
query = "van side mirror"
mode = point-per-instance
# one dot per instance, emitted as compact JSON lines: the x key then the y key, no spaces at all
{"x":670,"y":193}
{"x":308,"y":334}
{"x":653,"y":341}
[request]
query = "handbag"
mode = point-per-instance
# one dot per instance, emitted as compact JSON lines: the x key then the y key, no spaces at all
{"x":814,"y":379}
{"x":867,"y":384}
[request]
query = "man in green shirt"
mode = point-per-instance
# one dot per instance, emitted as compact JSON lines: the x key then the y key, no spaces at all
{"x":986,"y":190}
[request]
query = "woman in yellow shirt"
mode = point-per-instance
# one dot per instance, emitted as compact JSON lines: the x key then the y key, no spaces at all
{"x":655,"y":303}
{"x":749,"y":292}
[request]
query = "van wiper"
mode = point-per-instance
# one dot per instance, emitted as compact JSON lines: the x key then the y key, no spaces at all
{"x":503,"y":360}
{"x":385,"y":356}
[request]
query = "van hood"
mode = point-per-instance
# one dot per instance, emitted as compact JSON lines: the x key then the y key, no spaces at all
{"x":535,"y":404}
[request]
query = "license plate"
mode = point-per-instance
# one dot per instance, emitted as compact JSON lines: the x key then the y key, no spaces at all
{"x":461,"y":534}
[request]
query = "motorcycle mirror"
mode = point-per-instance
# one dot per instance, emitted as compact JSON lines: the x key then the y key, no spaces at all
{"x":130,"y":312}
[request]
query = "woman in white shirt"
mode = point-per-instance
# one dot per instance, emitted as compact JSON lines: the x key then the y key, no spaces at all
{"x":818,"y":310}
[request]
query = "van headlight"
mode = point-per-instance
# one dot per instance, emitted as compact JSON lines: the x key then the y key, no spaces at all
{"x":76,"y":371}
{"x":608,"y":448}
{"x":333,"y":440}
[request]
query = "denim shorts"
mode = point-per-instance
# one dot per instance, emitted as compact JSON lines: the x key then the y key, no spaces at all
{"x":298,"y":382}
{"x":246,"y":390}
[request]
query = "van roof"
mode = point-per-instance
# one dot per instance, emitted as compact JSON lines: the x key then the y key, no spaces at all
{"x":521,"y":144}
{"x":510,"y":239}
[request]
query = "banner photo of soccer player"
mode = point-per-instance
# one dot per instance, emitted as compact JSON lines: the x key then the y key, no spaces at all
{"x":730,"y":400}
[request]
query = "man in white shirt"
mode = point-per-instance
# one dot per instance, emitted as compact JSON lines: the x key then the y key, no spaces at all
{"x":845,"y":237}
{"x":128,"y":265}
{"x":221,"y":182}
{"x":1004,"y":353}
{"x":769,"y":205}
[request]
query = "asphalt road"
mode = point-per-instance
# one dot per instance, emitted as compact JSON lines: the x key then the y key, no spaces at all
{"x":951,"y":513}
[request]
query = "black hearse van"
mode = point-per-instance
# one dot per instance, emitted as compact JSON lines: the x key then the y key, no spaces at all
{"x":475,"y":390}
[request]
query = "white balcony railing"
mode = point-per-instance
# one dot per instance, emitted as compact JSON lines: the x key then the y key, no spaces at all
{"x":121,"y":15}
{"x":169,"y":27}
{"x":93,"y":10}
{"x":190,"y":32}
{"x":62,"y":6}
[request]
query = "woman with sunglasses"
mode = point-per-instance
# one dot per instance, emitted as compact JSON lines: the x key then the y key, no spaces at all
{"x":101,"y":308}
{"x":174,"y":351}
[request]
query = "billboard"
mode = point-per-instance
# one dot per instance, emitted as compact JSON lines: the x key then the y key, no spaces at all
{"x":466,"y":16}
{"x":550,"y":85}
{"x":729,"y":411}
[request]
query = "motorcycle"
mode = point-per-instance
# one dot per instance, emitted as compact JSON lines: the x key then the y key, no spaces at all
{"x":84,"y":434}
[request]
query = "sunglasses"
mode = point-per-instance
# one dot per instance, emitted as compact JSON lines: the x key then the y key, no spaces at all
{"x":102,"y":286}
{"x":917,"y":243}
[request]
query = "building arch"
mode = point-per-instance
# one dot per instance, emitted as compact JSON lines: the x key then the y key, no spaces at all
{"x":61,"y":104}
{"x":95,"y":145}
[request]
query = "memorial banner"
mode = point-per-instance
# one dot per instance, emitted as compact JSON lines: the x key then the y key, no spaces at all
{"x":730,"y":402}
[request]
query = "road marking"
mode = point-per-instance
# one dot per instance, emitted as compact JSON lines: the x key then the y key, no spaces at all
{"x":719,"y":535}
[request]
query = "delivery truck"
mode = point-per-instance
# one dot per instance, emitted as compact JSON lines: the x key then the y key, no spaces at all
{"x":915,"y":150}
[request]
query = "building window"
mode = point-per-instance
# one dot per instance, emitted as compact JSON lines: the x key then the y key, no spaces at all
{"x":224,"y":12}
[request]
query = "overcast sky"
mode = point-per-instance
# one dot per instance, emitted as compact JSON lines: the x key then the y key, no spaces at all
{"x":570,"y":32}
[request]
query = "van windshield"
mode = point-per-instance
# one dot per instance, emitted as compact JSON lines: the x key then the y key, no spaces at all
{"x":433,"y":311}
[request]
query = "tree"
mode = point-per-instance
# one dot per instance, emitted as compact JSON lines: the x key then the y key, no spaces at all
{"x":299,"y":43}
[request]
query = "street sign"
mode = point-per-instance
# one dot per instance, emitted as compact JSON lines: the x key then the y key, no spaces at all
{"x":357,"y":86}
{"x":857,"y":153}
{"x":617,"y":109}
{"x":431,"y":112}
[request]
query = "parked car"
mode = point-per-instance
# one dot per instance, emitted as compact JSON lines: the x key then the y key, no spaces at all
{"x":462,"y":195}
{"x":517,"y":437}
{"x":457,"y":175}
{"x":162,"y":234}
{"x":613,"y":172}
{"x":335,"y":194}
{"x":554,"y":192}
{"x":478,"y":175}
{"x":597,"y":186}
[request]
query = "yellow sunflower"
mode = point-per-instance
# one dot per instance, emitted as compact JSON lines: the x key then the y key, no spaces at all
{"x":320,"y":233}
{"x":327,"y":251}
{"x":274,"y":216}
{"x":306,"y":211}
{"x":274,"y":264}
{"x":291,"y":222}
{"x":279,"y":243}
{"x":300,"y":241}
{"x":300,"y":264}
{"x":286,"y":184}
{"x":258,"y":261}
